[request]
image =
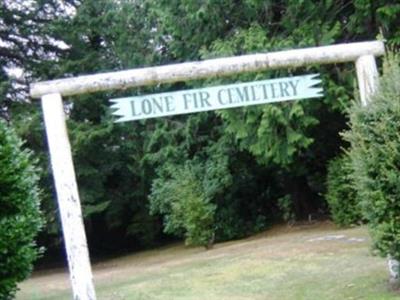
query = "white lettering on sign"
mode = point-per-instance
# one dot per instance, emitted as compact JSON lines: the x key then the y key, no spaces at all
{"x":217,"y":97}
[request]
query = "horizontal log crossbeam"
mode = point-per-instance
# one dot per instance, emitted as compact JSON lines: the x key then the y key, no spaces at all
{"x":208,"y":68}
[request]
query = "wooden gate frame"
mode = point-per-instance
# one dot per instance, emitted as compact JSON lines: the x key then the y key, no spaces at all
{"x":51,"y":92}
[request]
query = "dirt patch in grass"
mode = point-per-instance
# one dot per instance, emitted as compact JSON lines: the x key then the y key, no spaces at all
{"x":316,"y":261}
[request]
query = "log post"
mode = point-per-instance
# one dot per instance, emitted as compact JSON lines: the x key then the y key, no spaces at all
{"x":367,"y":75}
{"x":68,"y":198}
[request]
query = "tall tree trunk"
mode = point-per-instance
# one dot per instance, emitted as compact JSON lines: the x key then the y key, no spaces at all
{"x":302,"y":197}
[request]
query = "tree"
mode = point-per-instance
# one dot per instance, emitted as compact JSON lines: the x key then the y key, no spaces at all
{"x":185,"y":204}
{"x":20,"y":218}
{"x":284,"y":136}
{"x":27,"y":45}
{"x":341,"y":194}
{"x":375,"y":156}
{"x":112,"y":176}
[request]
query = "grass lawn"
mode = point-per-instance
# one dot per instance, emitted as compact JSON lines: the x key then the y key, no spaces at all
{"x":303,"y":262}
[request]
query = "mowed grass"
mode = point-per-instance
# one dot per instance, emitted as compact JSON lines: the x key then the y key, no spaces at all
{"x":302,"y":262}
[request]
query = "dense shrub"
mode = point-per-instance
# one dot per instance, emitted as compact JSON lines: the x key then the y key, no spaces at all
{"x":20,"y":218}
{"x":375,"y":156}
{"x":341,"y":194}
{"x":185,"y":205}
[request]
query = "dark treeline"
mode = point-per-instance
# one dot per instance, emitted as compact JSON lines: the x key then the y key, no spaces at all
{"x":216,"y":175}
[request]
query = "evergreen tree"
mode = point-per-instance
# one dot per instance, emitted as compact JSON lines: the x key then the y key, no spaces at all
{"x":27,"y":45}
{"x":20,"y":218}
{"x":375,"y":156}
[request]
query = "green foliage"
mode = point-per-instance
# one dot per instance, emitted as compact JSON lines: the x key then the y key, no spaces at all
{"x":284,"y":135}
{"x":188,"y":186}
{"x":375,"y":156}
{"x":291,"y":135}
{"x":379,"y":16}
{"x":20,"y":218}
{"x":113,"y":179}
{"x":230,"y":180}
{"x":185,"y":203}
{"x":341,"y":194}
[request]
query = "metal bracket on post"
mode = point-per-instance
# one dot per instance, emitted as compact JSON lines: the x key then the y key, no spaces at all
{"x":68,"y":198}
{"x":367,"y":75}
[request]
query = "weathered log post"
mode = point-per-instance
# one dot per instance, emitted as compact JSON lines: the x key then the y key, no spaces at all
{"x":367,"y":75}
{"x":68,"y":198}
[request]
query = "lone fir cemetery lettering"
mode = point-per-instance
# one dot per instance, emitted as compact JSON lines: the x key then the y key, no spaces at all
{"x":217,"y":97}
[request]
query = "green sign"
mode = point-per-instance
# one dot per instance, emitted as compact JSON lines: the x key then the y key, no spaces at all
{"x":217,"y":97}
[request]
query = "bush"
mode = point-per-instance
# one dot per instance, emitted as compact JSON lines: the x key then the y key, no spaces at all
{"x":183,"y":202}
{"x":375,"y":156}
{"x":341,"y":194}
{"x":20,"y":218}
